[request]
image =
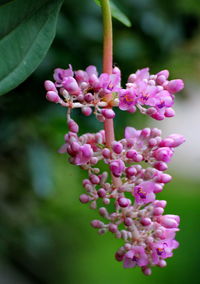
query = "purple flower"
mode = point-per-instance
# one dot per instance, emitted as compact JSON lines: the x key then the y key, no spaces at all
{"x":163,"y":154}
{"x":135,"y":256}
{"x":83,"y":155}
{"x":131,"y":132}
{"x":127,"y":99}
{"x":60,"y":74}
{"x":163,"y":249}
{"x":117,"y":167}
{"x":144,"y":192}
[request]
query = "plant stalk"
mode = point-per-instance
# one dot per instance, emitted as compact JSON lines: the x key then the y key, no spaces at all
{"x":107,"y":68}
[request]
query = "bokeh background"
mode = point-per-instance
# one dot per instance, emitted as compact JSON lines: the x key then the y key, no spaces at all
{"x":45,"y":236}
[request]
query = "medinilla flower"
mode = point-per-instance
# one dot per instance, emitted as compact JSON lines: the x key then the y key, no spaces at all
{"x":135,"y":215}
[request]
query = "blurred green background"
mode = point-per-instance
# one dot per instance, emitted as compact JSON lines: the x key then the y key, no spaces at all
{"x":45,"y":236}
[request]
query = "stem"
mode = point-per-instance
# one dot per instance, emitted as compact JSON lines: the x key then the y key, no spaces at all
{"x":107,"y":68}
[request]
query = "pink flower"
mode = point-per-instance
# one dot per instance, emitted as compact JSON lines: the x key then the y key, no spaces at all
{"x":60,"y":74}
{"x":127,"y":99}
{"x":135,"y":256}
{"x":163,"y":249}
{"x":117,"y":167}
{"x":163,"y":154}
{"x":144,"y":192}
{"x":83,"y":155}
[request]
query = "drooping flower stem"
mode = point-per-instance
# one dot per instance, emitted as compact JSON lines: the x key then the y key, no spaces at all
{"x":107,"y":68}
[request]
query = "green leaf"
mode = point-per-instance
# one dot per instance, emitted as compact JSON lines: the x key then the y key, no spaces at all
{"x":117,"y":13}
{"x":27,"y":30}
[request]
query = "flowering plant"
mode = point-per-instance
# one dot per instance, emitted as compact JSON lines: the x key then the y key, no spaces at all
{"x":137,"y":216}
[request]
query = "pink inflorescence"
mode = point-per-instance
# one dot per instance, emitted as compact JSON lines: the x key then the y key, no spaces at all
{"x":139,"y":160}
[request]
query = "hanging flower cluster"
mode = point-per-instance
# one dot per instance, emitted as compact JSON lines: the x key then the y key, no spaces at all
{"x":138,"y":161}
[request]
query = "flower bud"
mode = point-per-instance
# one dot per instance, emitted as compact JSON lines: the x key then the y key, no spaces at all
{"x":101,"y":192}
{"x":175,"y":86}
{"x":158,"y":211}
{"x":73,"y":126}
{"x":106,"y":153}
{"x":112,"y":228}
{"x":94,"y":179}
{"x":86,"y":110}
{"x":128,"y":221}
{"x":145,"y":221}
{"x":71,"y":86}
{"x":163,"y":154}
{"x":88,"y":97}
{"x":117,"y":167}
{"x":50,"y":86}
{"x":97,"y":224}
{"x":108,"y":113}
{"x":117,"y":147}
{"x":84,"y":198}
{"x":123,"y":202}
{"x":53,"y":97}
{"x":169,"y":112}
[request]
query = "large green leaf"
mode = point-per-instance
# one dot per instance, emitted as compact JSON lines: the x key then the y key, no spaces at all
{"x":117,"y":13}
{"x":27,"y":29}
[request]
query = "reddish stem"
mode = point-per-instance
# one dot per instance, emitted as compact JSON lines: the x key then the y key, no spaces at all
{"x":107,"y":68}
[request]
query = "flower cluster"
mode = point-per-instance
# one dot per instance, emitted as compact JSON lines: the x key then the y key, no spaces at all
{"x":152,"y":94}
{"x":125,"y":194}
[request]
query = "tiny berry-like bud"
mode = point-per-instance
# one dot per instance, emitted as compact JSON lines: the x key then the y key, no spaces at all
{"x":108,"y":113}
{"x":127,"y":246}
{"x":101,"y":192}
{"x":160,"y":203}
{"x":145,"y":132}
{"x":75,"y":147}
{"x":145,"y":221}
{"x":158,"y":211}
{"x":131,"y":154}
{"x":117,"y":167}
{"x":71,"y":86}
{"x":165,"y":73}
{"x":73,"y":126}
{"x":165,"y":178}
{"x":80,"y":98}
{"x":112,"y":228}
{"x":94,"y":179}
{"x":162,"y":263}
{"x":88,"y":97}
{"x":152,"y":142}
{"x":168,"y":222}
{"x":157,"y":188}
{"x":169,"y":112}
{"x":53,"y":97}
{"x":146,"y":270}
{"x":118,"y":256}
{"x":117,"y":147}
{"x":161,"y":166}
{"x":160,"y":79}
{"x":85,"y":182}
{"x":49,"y":86}
{"x":97,"y":224}
{"x":86,"y":110}
{"x":84,"y":198}
{"x":124,"y":202}
{"x":177,"y":140}
{"x":103,"y":211}
{"x":106,"y":201}
{"x":94,"y":160}
{"x":175,"y":86}
{"x":163,"y":154}
{"x":128,"y":221}
{"x":131,"y":171}
{"x":106,"y":153}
